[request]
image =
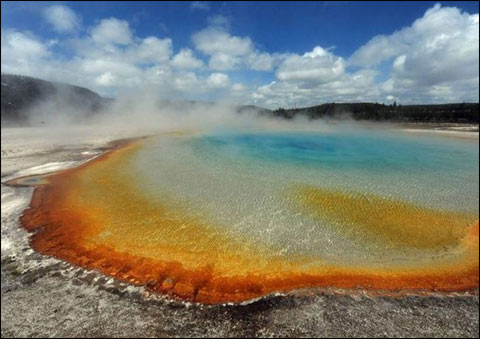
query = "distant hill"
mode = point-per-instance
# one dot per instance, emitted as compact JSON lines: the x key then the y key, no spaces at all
{"x":451,"y":113}
{"x":21,"y":96}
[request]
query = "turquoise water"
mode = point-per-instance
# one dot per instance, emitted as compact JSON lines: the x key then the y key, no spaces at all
{"x":378,"y":152}
{"x":431,"y":171}
{"x":243,"y":182}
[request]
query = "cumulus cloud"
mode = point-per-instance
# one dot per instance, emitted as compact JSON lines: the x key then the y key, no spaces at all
{"x":224,"y":62}
{"x":62,"y":18}
{"x":440,"y":28}
{"x":112,"y":31}
{"x":261,"y":61}
{"x":435,"y":59}
{"x":110,"y":64}
{"x":21,"y":51}
{"x":186,"y":60}
{"x":17,"y":45}
{"x":315,"y":77}
{"x":213,"y":41}
{"x":229,"y":52}
{"x":238,"y":87}
{"x":317,"y":66}
{"x":349,"y":87}
{"x":218,"y":80}
{"x":153,"y":49}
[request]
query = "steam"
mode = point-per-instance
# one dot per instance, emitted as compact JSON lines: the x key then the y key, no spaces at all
{"x":59,"y":104}
{"x":146,"y":112}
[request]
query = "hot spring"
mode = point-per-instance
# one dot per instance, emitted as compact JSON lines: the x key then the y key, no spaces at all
{"x":229,"y":216}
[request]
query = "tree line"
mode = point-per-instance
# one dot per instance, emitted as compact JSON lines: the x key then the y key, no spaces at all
{"x":452,"y":113}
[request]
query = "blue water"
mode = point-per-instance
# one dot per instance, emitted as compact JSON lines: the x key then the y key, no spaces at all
{"x":378,"y":152}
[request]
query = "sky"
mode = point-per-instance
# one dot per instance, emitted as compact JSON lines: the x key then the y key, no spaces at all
{"x":270,"y":54}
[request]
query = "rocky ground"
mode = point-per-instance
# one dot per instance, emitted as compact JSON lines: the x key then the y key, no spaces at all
{"x":43,"y":296}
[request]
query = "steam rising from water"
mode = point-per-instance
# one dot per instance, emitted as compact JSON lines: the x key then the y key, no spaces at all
{"x":145,"y":111}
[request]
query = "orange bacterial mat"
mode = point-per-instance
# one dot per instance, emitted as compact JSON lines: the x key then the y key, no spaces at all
{"x":96,"y":217}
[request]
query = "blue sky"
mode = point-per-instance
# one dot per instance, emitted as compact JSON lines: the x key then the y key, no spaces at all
{"x":266,"y":53}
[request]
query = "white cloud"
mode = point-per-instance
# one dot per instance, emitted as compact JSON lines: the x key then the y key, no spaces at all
{"x":346,"y":88}
{"x":112,"y":31}
{"x":317,"y":66}
{"x":218,"y":80}
{"x":18,"y":45}
{"x":238,"y":87}
{"x":441,"y":31}
{"x":378,"y":49}
{"x":224,"y":62}
{"x":117,"y":69}
{"x":435,"y":59}
{"x":21,"y":52}
{"x":228,"y":52}
{"x":186,"y":60}
{"x":216,"y":41}
{"x":62,"y":18}
{"x":261,"y":61}
{"x":109,"y":67}
{"x":187,"y":82}
{"x":200,"y":5}
{"x":153,"y":49}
